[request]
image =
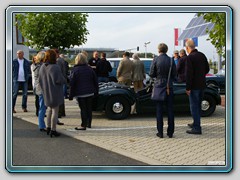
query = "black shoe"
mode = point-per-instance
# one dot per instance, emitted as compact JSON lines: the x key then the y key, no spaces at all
{"x":170,"y":135}
{"x":88,"y":126}
{"x":43,"y":130}
{"x":54,"y":133}
{"x":60,"y":123}
{"x":59,"y":116}
{"x":81,"y":128}
{"x":48,"y":130}
{"x":192,"y":131}
{"x":190,"y":125}
{"x":160,"y":135}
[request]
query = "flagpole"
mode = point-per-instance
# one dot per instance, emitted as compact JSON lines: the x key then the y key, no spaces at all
{"x":174,"y":35}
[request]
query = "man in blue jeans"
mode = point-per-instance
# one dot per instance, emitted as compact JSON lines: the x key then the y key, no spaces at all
{"x":196,"y":69}
{"x":21,"y":71}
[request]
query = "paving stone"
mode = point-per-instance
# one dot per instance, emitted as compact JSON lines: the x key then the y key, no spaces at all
{"x":135,"y":137}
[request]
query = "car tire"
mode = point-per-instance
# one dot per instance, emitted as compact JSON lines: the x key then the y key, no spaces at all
{"x":208,"y":105}
{"x":117,"y":108}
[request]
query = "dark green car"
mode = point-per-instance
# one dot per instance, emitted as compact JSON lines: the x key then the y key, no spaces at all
{"x":116,"y":100}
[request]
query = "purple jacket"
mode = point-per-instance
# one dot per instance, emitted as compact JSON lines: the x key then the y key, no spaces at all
{"x":83,"y":80}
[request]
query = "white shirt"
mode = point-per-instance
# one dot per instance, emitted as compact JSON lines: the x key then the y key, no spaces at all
{"x":21,"y":76}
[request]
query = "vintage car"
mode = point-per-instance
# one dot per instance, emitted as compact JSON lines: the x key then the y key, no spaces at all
{"x":217,"y":80}
{"x":116,"y":100}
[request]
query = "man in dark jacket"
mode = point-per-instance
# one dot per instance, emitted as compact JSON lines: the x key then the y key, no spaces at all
{"x":21,"y":71}
{"x":94,"y":60}
{"x":181,"y":66}
{"x":196,"y":69}
{"x":103,"y":68}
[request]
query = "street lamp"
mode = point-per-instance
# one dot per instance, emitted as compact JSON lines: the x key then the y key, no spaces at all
{"x":145,"y":44}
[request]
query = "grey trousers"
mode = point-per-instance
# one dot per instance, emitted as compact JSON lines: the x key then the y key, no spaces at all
{"x":52,"y":117}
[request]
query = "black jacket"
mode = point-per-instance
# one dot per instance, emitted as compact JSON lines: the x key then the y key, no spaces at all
{"x":103,"y":67}
{"x":83,"y":81}
{"x":181,"y":69}
{"x":160,"y":68}
{"x":196,"y":69}
{"x":93,"y":62}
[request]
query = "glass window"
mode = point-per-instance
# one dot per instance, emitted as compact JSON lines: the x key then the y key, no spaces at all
{"x":20,"y":38}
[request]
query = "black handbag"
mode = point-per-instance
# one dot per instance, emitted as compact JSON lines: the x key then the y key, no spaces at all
{"x":161,"y":88}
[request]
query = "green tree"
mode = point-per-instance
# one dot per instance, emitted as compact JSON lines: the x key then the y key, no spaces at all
{"x":53,"y":30}
{"x":217,"y":35}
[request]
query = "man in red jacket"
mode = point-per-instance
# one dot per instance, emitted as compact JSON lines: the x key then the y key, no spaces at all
{"x":196,"y":69}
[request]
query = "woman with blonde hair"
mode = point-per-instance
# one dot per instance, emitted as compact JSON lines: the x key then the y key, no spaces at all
{"x":35,"y":67}
{"x":83,"y":87}
{"x":51,"y":81}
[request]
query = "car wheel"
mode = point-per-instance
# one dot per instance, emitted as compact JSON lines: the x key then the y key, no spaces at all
{"x":117,"y":108}
{"x":208,"y":105}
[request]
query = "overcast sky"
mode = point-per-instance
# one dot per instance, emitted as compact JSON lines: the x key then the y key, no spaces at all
{"x":129,"y":30}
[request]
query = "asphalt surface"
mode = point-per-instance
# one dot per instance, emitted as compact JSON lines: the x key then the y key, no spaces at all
{"x":34,"y":148}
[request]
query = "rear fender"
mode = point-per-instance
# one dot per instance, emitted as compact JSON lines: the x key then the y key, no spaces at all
{"x":214,"y":93}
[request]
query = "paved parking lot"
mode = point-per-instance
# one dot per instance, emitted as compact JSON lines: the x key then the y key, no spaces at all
{"x":136,"y":137}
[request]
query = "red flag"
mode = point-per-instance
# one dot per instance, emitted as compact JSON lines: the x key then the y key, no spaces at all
{"x":176,"y":34}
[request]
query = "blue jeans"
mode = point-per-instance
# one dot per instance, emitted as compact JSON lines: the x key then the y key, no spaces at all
{"x":159,"y":113}
{"x":16,"y":85}
{"x":65,"y":90}
{"x":195,"y":99}
{"x":41,"y":112}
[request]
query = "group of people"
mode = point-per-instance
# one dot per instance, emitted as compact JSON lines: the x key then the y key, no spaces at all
{"x":49,"y":76}
{"x":128,"y":72}
{"x":131,"y":71}
{"x":192,"y":69}
{"x":50,"y":73}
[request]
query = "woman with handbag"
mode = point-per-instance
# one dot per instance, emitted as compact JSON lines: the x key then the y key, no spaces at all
{"x":164,"y":70}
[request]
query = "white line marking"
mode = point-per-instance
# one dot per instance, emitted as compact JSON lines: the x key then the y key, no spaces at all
{"x":139,"y":127}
